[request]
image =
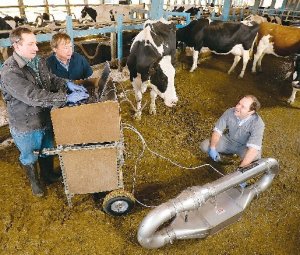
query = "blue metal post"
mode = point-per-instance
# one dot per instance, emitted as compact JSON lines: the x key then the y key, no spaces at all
{"x":156,"y":11}
{"x":256,"y":5}
{"x":284,"y":2}
{"x":69,"y":28}
{"x":120,"y":36}
{"x":272,"y":6}
{"x":226,"y":9}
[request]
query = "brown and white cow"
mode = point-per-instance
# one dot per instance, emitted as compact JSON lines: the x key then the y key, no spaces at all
{"x":275,"y":39}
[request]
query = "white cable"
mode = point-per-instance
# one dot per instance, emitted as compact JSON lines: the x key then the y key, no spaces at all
{"x":130,"y":127}
{"x":161,"y":156}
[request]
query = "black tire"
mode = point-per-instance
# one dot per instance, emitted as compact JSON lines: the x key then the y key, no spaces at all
{"x":117,"y":204}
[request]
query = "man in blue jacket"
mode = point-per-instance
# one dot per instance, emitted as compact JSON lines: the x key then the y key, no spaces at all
{"x":64,"y":62}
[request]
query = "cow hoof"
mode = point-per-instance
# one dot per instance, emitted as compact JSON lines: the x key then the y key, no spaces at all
{"x":240,"y":76}
{"x":192,"y":70}
{"x":152,"y":111}
{"x":138,"y":116}
{"x":290,"y":101}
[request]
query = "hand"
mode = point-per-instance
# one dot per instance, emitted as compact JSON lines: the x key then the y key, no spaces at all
{"x":215,"y":156}
{"x":77,"y":96}
{"x":73,"y":87}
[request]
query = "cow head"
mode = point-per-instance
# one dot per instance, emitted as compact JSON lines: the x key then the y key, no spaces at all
{"x":162,"y":75}
{"x":84,"y":12}
{"x":90,"y":12}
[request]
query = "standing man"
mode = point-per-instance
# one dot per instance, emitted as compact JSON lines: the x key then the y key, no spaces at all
{"x":64,"y":62}
{"x":238,"y":131}
{"x":30,"y":91}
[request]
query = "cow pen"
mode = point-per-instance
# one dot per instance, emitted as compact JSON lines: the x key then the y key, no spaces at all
{"x":270,"y":225}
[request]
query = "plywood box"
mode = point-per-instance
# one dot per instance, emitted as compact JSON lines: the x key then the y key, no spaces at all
{"x":88,"y":123}
{"x":90,"y":170}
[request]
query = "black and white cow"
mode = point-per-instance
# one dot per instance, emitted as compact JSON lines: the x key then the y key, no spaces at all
{"x":273,"y":19}
{"x":296,"y":79}
{"x":192,"y":9}
{"x":108,"y":12}
{"x":221,"y":38}
{"x":44,"y":20}
{"x":178,"y":9}
{"x":151,"y":63}
{"x":281,"y":41}
{"x":88,"y":12}
{"x":5,"y":25}
{"x":13,"y":22}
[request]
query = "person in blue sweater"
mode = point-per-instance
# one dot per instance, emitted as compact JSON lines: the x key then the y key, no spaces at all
{"x":65,"y":63}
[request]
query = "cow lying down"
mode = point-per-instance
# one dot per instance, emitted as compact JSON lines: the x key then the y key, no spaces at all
{"x":296,"y":79}
{"x":151,"y":64}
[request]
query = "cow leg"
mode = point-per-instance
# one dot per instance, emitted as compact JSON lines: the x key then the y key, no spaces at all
{"x":235,"y":62}
{"x":136,"y":84}
{"x":259,"y":62}
{"x":255,"y":59}
{"x":293,"y":96}
{"x":258,"y":57}
{"x":246,"y":57}
{"x":153,"y":96}
{"x":138,"y":98}
{"x":195,"y":60}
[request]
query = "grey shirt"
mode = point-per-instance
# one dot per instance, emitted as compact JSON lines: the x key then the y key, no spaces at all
{"x":248,"y":132}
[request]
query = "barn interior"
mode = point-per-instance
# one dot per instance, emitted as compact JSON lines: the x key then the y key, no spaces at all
{"x":270,"y":225}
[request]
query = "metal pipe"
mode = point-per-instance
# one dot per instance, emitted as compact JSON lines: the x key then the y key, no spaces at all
{"x":195,"y":197}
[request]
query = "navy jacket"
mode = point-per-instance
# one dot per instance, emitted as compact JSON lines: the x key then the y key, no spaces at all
{"x":79,"y":67}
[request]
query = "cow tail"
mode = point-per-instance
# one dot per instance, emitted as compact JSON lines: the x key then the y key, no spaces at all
{"x":252,"y":47}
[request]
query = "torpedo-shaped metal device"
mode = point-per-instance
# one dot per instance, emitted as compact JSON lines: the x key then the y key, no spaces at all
{"x":201,"y":211}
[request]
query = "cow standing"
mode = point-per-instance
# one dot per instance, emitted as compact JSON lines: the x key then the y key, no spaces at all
{"x":278,"y":40}
{"x":108,"y":12}
{"x":296,"y":79}
{"x":151,"y":63}
{"x":221,"y":38}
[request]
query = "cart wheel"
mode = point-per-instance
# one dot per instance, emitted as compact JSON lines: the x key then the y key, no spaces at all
{"x":118,"y":203}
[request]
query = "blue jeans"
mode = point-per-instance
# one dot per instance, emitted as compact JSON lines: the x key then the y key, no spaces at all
{"x":27,"y":142}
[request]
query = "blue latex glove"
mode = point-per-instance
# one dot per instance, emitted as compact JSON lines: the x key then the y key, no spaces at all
{"x":73,"y":87}
{"x":77,"y":96}
{"x":215,"y":156}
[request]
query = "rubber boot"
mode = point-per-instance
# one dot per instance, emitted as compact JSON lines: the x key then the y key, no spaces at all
{"x":47,"y":171}
{"x":32,"y":174}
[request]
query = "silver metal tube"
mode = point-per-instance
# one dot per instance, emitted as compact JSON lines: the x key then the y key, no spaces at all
{"x":195,"y":197}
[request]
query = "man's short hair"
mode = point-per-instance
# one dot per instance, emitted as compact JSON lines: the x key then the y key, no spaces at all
{"x":58,"y":38}
{"x":255,"y":106}
{"x":15,"y":35}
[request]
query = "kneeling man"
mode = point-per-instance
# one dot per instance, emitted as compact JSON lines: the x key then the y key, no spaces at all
{"x":238,"y":131}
